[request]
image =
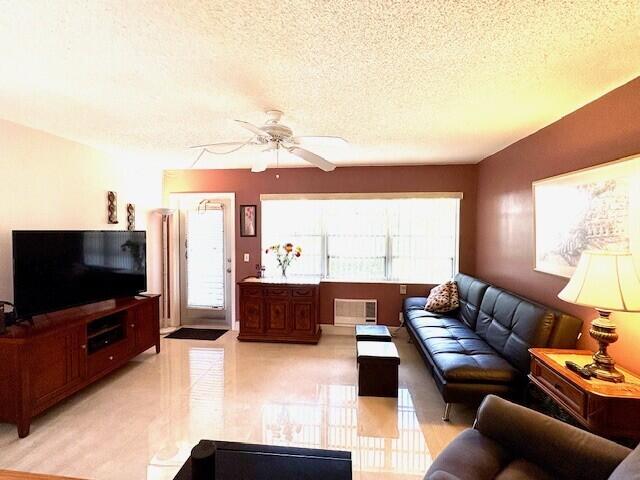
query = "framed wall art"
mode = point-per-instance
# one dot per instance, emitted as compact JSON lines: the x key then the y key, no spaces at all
{"x":592,"y":209}
{"x":248,"y":220}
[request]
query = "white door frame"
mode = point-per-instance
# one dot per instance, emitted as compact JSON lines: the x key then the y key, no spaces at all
{"x":180,"y":200}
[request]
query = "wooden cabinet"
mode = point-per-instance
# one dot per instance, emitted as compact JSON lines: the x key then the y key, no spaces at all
{"x":251,"y":314}
{"x":62,"y":352}
{"x":66,"y":365}
{"x":146,"y":327}
{"x":303,"y":316}
{"x":276,"y":320}
{"x":276,"y":311}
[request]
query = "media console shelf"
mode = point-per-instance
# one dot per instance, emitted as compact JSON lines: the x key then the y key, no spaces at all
{"x":62,"y":352}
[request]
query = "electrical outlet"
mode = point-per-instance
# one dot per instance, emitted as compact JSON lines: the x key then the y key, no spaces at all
{"x":246,"y":257}
{"x":403,"y":289}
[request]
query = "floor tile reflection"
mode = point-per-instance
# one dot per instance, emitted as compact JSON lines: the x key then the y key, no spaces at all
{"x":383,"y":435}
{"x":142,"y":421}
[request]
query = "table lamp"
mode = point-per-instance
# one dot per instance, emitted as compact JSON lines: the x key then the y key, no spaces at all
{"x":608,"y":282}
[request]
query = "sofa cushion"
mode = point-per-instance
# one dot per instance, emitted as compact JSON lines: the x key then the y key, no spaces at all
{"x":414,"y":314}
{"x":521,"y":469}
{"x":460,"y":355}
{"x":472,"y":363}
{"x":440,"y":475}
{"x":470,"y":293}
{"x":470,"y":456}
{"x":511,"y":325}
{"x":437,"y":321}
{"x":629,"y":468}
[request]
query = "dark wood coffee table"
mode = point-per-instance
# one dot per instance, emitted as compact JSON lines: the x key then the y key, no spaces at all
{"x":372,"y":333}
{"x":377,"y":369}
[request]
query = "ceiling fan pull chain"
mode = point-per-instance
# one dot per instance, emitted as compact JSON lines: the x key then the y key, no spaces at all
{"x":199,"y":157}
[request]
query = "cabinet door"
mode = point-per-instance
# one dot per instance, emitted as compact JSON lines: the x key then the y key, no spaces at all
{"x":303,"y":317}
{"x":146,"y":326}
{"x":56,"y":363}
{"x":276,"y":313}
{"x":251,"y":315}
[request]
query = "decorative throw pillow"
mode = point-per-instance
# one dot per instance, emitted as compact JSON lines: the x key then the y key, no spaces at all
{"x":443,"y":298}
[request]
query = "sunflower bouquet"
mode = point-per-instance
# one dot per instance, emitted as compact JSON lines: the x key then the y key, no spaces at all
{"x":285,"y":254}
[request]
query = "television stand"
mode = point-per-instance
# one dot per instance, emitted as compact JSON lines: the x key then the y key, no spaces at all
{"x":62,"y":352}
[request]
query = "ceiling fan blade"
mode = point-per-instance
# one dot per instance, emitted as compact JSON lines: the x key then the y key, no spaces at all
{"x":222,"y":144}
{"x":312,"y":158}
{"x":328,"y":138}
{"x":252,"y":128}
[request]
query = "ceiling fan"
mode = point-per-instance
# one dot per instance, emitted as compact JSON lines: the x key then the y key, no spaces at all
{"x":275,"y":136}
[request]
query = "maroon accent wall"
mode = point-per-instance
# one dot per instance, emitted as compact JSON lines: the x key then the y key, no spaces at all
{"x":248,"y":187}
{"x":604,"y":130}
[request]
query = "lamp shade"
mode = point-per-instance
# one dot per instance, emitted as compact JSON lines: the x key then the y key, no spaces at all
{"x":607,"y":281}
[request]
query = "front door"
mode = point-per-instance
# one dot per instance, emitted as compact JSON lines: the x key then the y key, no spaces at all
{"x":205,"y":263}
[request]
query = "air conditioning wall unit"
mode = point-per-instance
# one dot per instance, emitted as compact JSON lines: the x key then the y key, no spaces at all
{"x":348,"y":311}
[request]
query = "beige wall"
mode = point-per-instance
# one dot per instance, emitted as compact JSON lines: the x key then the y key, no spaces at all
{"x":47,"y":182}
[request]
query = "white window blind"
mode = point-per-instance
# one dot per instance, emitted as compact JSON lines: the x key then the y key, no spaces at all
{"x":398,"y":239}
{"x":205,"y":258}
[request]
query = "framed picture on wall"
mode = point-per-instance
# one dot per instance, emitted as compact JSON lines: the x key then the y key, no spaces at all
{"x":592,"y":209}
{"x":248,"y":220}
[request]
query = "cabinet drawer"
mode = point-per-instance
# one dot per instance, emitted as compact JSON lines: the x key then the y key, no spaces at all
{"x":110,"y":357}
{"x":571,"y":396}
{"x":302,"y":292}
{"x":276,"y":292}
{"x":251,"y":291}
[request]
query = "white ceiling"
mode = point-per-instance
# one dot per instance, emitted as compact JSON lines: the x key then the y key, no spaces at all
{"x":406,"y":82}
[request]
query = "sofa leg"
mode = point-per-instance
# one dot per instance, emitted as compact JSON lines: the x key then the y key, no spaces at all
{"x":447,"y":411}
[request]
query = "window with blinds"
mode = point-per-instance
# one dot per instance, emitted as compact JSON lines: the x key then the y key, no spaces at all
{"x":398,"y":239}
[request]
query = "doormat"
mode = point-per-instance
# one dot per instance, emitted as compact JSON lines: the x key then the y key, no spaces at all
{"x":197,"y":333}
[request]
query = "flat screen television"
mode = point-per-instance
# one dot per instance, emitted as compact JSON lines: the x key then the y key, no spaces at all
{"x":57,"y":269}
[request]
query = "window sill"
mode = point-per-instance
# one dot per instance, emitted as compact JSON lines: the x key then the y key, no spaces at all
{"x":390,"y":282}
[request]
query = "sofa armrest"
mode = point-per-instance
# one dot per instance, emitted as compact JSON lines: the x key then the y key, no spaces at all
{"x":565,"y":331}
{"x":557,"y":446}
{"x":414,"y":303}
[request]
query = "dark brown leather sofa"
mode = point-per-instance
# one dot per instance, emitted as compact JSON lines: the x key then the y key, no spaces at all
{"x":482,"y":347}
{"x":508,"y":441}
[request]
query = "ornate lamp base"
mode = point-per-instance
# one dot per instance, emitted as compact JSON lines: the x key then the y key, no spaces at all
{"x":603,"y":330}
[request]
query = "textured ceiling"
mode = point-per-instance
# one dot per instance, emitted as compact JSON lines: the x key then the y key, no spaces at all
{"x":405,"y":82}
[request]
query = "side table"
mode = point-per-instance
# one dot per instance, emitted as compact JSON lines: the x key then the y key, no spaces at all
{"x":608,"y":409}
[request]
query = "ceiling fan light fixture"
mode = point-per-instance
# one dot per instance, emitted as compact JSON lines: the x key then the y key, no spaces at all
{"x":261,"y":161}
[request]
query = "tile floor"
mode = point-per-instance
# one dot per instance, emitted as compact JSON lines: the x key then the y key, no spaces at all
{"x":141,"y":421}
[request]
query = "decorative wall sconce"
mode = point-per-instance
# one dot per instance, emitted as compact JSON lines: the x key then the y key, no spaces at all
{"x":131,"y":216}
{"x":112,"y":207}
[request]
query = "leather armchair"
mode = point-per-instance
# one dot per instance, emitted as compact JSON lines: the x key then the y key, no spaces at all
{"x":511,"y":441}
